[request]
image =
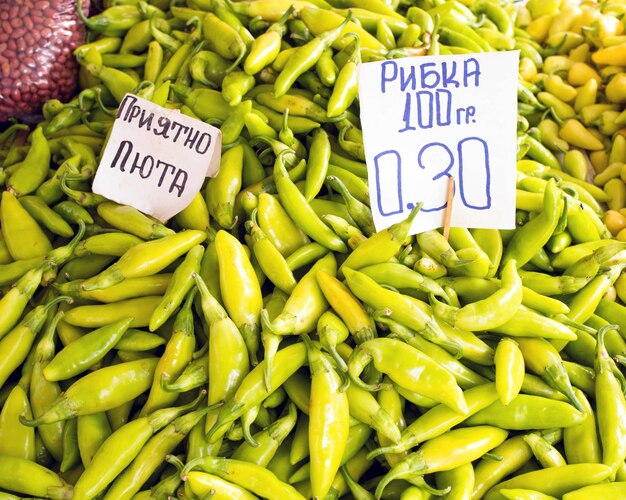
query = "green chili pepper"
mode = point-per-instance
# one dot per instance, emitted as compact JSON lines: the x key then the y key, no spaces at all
{"x":269,"y":257}
{"x":300,"y":211}
{"x":459,"y":480}
{"x":207,"y":104}
{"x":358,"y":210}
{"x":146,"y":259}
{"x":177,"y":355}
{"x":551,"y":285}
{"x":555,"y":481}
{"x":85,"y":352}
{"x":235,"y":85}
{"x":131,"y":220}
{"x":45,"y":216}
{"x":151,"y":456}
{"x":365,"y":408}
{"x":490,"y":312}
{"x":16,"y":440}
{"x":610,"y":406}
{"x":240,"y":289}
{"x":194,"y":375}
{"x":298,"y":124}
{"x":602,"y":490}
{"x":514,"y":453}
{"x":116,"y":20}
{"x":533,"y":235}
{"x":509,"y":366}
{"x":357,"y":437}
{"x":546,"y":454}
{"x":402,"y":308}
{"x":100,"y":390}
{"x":306,"y":303}
{"x":394,"y":357}
{"x":266,"y":46}
{"x":71,"y":455}
{"x":269,"y":440}
{"x":223,"y":39}
{"x":252,"y":390}
{"x":120,"y":449}
{"x":92,"y":431}
{"x":18,"y":341}
{"x":127,"y":289}
{"x":222,"y":189}
{"x":178,"y":287}
{"x":352,"y":235}
{"x":224,"y":375}
{"x":306,"y":56}
{"x":43,"y":392}
{"x":464,"y":376}
{"x":252,"y":477}
{"x":233,"y":125}
{"x":543,"y":359}
{"x":328,"y":420}
{"x":72,"y":212}
{"x":447,"y":451}
{"x":201,"y":483}
{"x":30,"y":478}
{"x":94,"y":316}
{"x":114,"y":244}
{"x":528,"y":412}
{"x":440,"y":419}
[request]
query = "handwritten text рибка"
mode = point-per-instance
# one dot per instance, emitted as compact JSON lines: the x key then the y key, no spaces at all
{"x":429,"y":103}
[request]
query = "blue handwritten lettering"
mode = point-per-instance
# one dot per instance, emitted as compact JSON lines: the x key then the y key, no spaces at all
{"x":424,"y":109}
{"x":384,"y":78}
{"x":429,"y":75}
{"x":477,"y":169}
{"x":448,"y":79}
{"x":471,"y":68}
{"x":406,"y":116}
{"x":444,"y":107}
{"x":435,"y":151}
{"x":388,"y":165}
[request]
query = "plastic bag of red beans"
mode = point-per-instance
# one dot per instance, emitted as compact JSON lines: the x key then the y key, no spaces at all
{"x":37,"y":38}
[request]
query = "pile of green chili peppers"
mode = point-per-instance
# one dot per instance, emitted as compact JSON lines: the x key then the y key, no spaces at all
{"x":267,"y":341}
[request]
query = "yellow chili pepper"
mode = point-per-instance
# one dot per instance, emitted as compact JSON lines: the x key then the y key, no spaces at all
{"x":576,"y":134}
{"x":580,"y":72}
{"x":240,"y":288}
{"x":146,"y":259}
{"x":329,"y":416}
{"x":509,"y":364}
{"x":557,"y":87}
{"x":616,"y":88}
{"x":613,"y":55}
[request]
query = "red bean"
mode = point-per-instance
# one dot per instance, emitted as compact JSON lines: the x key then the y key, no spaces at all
{"x":36,"y":41}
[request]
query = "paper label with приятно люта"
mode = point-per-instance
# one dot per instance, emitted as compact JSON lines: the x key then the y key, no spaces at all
{"x":426,"y":119}
{"x":156,"y":159}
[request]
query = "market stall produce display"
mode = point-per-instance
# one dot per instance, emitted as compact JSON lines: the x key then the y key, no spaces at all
{"x":267,"y":341}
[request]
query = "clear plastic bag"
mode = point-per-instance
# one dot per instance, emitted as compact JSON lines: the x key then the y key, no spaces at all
{"x":37,"y":38}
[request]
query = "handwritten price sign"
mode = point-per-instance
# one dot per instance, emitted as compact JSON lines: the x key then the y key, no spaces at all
{"x":426,"y":119}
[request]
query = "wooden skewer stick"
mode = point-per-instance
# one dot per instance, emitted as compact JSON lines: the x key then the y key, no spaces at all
{"x":448,"y":212}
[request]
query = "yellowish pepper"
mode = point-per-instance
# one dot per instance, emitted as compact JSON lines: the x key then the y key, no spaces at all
{"x":576,"y":134}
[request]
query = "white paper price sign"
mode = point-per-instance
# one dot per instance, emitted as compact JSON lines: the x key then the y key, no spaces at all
{"x":156,"y":159}
{"x":426,"y":119}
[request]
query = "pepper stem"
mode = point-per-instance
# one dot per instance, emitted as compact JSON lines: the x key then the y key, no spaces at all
{"x":176,"y":462}
{"x":270,"y":343}
{"x":60,"y":410}
{"x":401,"y":470}
{"x":444,"y":311}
